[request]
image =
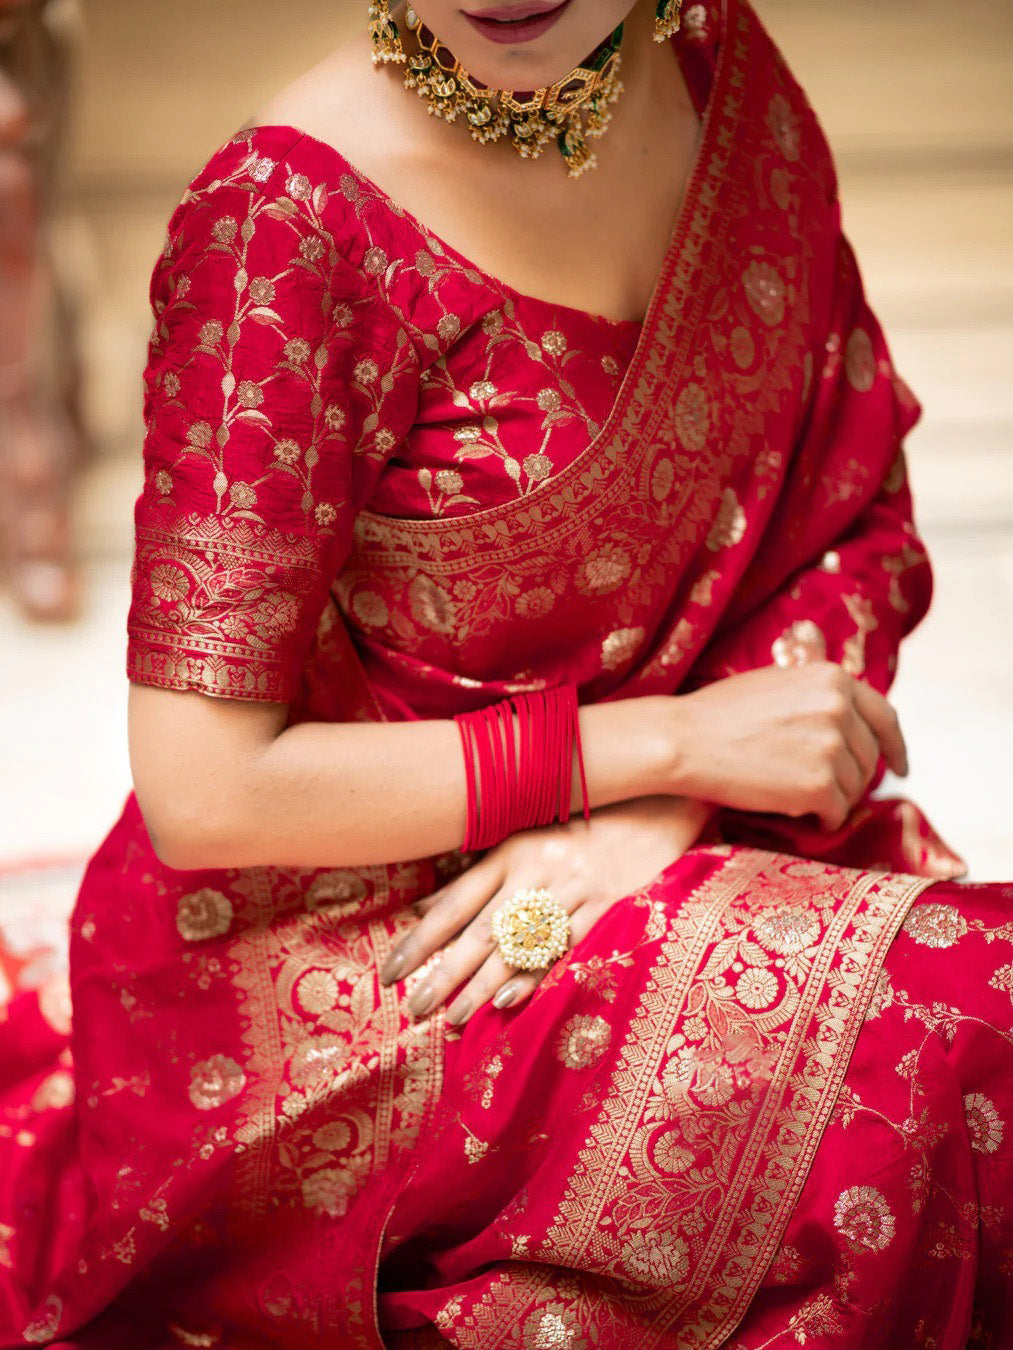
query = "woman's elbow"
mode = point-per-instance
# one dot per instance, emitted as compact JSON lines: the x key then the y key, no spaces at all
{"x":188,"y":840}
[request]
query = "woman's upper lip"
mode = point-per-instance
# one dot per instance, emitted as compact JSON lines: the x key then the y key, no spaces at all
{"x":529,"y":10}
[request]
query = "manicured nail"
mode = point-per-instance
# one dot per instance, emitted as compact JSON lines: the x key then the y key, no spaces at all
{"x":506,"y":995}
{"x":459,"y":1012}
{"x":393,"y":967}
{"x":421,"y":1000}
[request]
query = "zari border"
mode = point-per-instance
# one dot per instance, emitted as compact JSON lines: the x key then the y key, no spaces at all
{"x":777,"y":1193}
{"x":663,"y":350}
{"x":778,"y":1155}
{"x":879,"y":902}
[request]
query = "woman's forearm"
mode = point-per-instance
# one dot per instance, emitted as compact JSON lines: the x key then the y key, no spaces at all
{"x":353,"y":794}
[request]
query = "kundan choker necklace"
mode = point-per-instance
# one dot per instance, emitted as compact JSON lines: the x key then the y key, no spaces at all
{"x":572,"y":111}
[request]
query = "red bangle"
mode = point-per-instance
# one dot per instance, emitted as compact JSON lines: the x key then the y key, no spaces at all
{"x":519,"y":776}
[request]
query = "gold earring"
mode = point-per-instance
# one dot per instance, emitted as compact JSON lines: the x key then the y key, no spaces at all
{"x":668,"y":19}
{"x":384,"y":33}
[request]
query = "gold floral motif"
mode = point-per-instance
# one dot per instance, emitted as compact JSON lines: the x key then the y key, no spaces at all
{"x":935,"y":925}
{"x":620,"y":647}
{"x":318,"y":1060}
{"x":369,"y":608}
{"x":693,"y":417}
{"x":860,"y":361}
{"x":536,"y":602}
{"x":602,"y":572}
{"x":215,"y":1081}
{"x":765,"y":292}
{"x":431,"y":604}
{"x":799,"y":645}
{"x":695,"y":22}
{"x":864,"y":1219}
{"x":6,"y":1237}
{"x":671,"y":1153}
{"x":662,"y":478}
{"x":317,"y":992}
{"x":54,"y":1093}
{"x":475,"y":1149}
{"x":552,"y":1327}
{"x":330,"y":1190}
{"x":333,"y":1137}
{"x":882,"y":998}
{"x":203,"y":914}
{"x":654,"y":1259}
{"x":788,"y":931}
{"x":168,"y":583}
{"x":784,"y":127}
{"x":156,"y":1212}
{"x":984,"y":1124}
{"x":818,"y":1316}
{"x":729,"y":525}
{"x":756,"y":988}
{"x":786,"y":1265}
{"x":44,"y":1327}
{"x":582,"y":1040}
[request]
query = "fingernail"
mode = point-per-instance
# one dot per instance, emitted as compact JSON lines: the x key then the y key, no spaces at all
{"x":393,"y":967}
{"x":459,"y":1012}
{"x":421,"y":1000}
{"x":506,"y":995}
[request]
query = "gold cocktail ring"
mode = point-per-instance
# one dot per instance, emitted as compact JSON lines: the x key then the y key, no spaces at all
{"x":532,"y":929}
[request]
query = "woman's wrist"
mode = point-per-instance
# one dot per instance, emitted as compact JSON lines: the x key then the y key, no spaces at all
{"x":681,"y":771}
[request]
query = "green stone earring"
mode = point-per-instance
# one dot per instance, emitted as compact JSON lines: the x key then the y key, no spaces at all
{"x":668,"y":19}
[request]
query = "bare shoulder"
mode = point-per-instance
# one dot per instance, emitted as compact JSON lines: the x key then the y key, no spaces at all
{"x":346,"y":102}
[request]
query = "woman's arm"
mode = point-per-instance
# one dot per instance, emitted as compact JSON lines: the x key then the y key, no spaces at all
{"x":223,"y":783}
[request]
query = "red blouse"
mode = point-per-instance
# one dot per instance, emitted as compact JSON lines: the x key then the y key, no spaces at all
{"x":316,"y":349}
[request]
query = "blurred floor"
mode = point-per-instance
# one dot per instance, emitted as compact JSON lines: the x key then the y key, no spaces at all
{"x":918,"y":101}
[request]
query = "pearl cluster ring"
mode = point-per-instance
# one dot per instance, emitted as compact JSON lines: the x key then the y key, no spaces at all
{"x":532,"y":929}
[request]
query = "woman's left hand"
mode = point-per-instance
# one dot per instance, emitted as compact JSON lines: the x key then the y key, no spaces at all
{"x":587,"y":865}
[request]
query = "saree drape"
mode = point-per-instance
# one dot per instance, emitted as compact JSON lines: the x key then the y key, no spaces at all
{"x":764,"y":1101}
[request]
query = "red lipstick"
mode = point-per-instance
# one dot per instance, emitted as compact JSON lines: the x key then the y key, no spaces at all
{"x":517,"y":23}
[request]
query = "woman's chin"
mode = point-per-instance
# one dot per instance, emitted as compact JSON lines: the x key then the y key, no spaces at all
{"x":518,"y":69}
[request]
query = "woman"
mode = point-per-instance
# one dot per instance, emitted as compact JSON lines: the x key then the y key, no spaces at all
{"x":623,"y":424}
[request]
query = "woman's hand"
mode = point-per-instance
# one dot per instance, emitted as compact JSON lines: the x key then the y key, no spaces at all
{"x":795,"y":741}
{"x":588,"y":866}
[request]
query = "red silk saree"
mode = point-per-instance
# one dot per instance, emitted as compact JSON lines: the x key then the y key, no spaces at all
{"x":767,"y":1100}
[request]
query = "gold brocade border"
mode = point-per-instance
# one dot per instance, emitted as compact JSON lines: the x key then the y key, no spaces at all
{"x":772,"y":1169}
{"x":777,"y":1193}
{"x":663,"y":996}
{"x":184,"y":630}
{"x":257,"y":1116}
{"x":644,"y":400}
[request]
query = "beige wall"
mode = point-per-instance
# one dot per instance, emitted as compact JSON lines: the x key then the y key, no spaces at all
{"x":163,"y":84}
{"x":917,"y":97}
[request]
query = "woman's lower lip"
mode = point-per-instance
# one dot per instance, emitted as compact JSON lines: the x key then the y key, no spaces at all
{"x":522,"y":30}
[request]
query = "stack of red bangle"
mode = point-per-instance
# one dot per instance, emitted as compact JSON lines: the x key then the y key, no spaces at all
{"x":520,"y":779}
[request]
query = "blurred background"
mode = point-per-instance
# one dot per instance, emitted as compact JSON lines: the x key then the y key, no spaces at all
{"x":917,"y":98}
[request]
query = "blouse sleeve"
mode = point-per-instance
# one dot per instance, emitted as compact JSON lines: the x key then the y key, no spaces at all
{"x":277,"y":385}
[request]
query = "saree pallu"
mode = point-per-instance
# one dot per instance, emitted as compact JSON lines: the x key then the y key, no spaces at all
{"x":766,"y":1100}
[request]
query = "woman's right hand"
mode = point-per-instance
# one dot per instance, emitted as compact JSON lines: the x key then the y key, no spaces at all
{"x":805,"y":739}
